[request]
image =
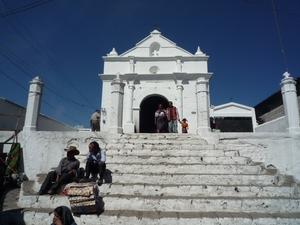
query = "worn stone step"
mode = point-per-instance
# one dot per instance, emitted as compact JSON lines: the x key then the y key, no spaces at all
{"x":195,"y":218}
{"x":159,"y":144}
{"x":42,"y":201}
{"x":266,"y":178}
{"x":168,"y":168}
{"x":206,"y":204}
{"x":173,"y":152}
{"x":198,"y":190}
{"x":149,"y":159}
{"x":161,"y":137}
{"x":34,"y":216}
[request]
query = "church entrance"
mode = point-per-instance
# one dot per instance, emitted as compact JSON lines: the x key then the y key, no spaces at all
{"x":147,"y":110}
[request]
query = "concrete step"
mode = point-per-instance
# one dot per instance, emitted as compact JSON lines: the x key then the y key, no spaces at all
{"x":173,"y":152}
{"x":125,"y":138}
{"x":42,"y":201}
{"x":168,"y":168}
{"x":205,"y":204}
{"x":230,"y":188}
{"x":267,"y":177}
{"x":150,"y":159}
{"x":36,"y":216}
{"x":198,"y":190}
{"x":160,"y":145}
{"x":178,"y":179}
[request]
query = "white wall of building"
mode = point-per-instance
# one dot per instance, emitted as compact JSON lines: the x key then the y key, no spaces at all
{"x":233,"y":109}
{"x":155,"y":66}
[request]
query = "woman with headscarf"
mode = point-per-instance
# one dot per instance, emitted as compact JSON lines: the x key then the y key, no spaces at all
{"x":159,"y":119}
{"x":63,"y":216}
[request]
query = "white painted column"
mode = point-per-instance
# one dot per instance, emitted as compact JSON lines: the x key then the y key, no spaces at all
{"x":203,"y":125}
{"x":33,"y":104}
{"x":117,"y":94}
{"x":179,"y":105}
{"x":129,"y":123}
{"x":290,"y":103}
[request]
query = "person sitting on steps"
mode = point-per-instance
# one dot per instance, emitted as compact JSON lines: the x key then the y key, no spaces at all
{"x":95,"y":162}
{"x":64,"y":174}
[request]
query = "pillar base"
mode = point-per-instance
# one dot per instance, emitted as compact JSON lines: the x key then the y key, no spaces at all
{"x":203,"y":130}
{"x":31,"y":128}
{"x":293,"y":130}
{"x":128,"y":128}
{"x":116,"y":130}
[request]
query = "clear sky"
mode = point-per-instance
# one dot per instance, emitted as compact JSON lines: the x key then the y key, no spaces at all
{"x":63,"y":41}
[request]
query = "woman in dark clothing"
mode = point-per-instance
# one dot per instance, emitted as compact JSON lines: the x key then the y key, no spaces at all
{"x":63,"y":216}
{"x":160,"y":119}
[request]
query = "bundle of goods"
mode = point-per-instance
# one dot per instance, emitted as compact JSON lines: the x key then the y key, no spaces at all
{"x":84,"y":198}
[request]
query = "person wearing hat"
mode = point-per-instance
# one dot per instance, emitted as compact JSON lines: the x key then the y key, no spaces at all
{"x":95,"y":121}
{"x":184,"y":125}
{"x":64,"y":173}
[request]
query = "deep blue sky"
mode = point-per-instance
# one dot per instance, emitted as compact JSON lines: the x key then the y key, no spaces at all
{"x":63,"y":42}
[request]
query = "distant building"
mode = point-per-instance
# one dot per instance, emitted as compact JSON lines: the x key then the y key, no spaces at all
{"x":272,"y":107}
{"x":12,"y":117}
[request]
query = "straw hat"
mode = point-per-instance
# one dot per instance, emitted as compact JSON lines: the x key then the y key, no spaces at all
{"x":72,"y":148}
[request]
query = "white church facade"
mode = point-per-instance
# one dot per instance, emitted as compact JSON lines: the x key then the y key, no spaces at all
{"x":154,"y":72}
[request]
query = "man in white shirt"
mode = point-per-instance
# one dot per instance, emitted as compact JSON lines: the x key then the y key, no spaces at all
{"x":95,"y":162}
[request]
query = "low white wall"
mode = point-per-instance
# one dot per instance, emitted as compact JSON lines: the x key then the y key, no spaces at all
{"x":277,"y":125}
{"x":281,"y":150}
{"x":42,"y":150}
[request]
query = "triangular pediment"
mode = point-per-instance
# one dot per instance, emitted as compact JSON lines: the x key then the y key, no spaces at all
{"x":232,"y":109}
{"x":156,"y":45}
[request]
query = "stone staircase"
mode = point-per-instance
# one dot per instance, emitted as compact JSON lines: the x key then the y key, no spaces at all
{"x":179,"y":179}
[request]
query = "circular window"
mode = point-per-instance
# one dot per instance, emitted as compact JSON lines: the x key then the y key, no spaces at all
{"x":154,"y":69}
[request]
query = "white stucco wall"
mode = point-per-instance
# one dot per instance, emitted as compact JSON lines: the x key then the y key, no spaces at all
{"x":277,"y":125}
{"x":278,"y":149}
{"x":42,"y":150}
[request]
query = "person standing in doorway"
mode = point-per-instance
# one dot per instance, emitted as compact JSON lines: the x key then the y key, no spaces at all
{"x":173,"y":116}
{"x":159,"y":119}
{"x":95,"y":121}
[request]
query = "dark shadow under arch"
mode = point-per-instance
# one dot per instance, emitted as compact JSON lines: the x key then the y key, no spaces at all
{"x":147,"y":110}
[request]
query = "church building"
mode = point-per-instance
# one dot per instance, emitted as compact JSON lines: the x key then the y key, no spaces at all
{"x":154,"y":72}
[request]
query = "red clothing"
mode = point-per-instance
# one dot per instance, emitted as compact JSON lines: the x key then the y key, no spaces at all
{"x":173,"y":111}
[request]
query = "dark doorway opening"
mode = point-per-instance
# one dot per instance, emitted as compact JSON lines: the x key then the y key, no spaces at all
{"x":234,"y":124}
{"x":147,"y":110}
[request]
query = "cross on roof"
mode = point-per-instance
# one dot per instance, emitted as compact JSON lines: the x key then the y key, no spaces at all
{"x":155,"y":26}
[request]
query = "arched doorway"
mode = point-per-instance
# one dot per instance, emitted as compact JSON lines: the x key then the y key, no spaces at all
{"x":147,"y":109}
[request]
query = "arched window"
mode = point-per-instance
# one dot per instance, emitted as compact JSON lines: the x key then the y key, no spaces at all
{"x":154,"y":49}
